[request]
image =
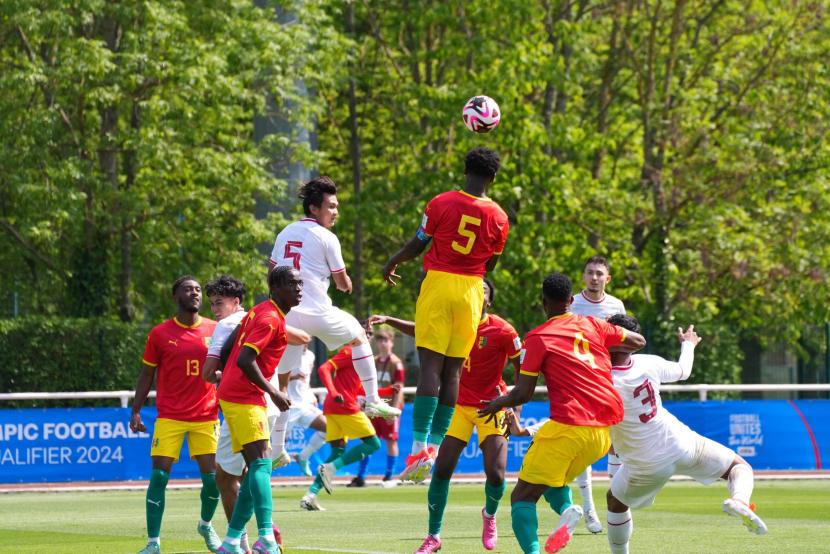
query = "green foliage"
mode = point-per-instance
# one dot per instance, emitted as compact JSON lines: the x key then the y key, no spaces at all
{"x":69,"y":355}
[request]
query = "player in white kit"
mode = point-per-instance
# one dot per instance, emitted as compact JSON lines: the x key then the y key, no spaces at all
{"x":305,"y":411}
{"x":594,"y":301}
{"x":226,"y":295}
{"x":311,"y":248}
{"x":654,"y":445}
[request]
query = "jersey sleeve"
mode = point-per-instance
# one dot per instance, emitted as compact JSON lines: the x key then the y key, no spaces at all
{"x":503,"y":229}
{"x":513,"y":343}
{"x":274,"y":253}
{"x":532,"y":356}
{"x":152,"y":353}
{"x":262,"y":331}
{"x":220,"y":336}
{"x":342,"y":359}
{"x":430,"y":220}
{"x":612,"y":335}
{"x":334,"y":255}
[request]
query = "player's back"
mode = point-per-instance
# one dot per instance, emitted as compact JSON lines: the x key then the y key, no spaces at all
{"x":315,"y":252}
{"x":649,"y":435}
{"x":466,"y":232}
{"x":481,"y":375}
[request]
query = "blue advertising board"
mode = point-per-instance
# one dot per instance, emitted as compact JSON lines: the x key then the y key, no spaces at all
{"x":95,"y":444}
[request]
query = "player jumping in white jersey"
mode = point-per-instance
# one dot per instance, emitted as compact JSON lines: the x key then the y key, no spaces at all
{"x":594,"y":301}
{"x":311,"y":248}
{"x":654,"y":445}
{"x":304,"y":410}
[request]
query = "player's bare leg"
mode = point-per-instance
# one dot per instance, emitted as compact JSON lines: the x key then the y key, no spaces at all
{"x":620,"y":525}
{"x":314,"y":444}
{"x":741,"y":481}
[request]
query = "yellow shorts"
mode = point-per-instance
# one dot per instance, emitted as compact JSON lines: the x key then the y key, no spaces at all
{"x":247,"y":423}
{"x":464,"y":418}
{"x":447,"y":313}
{"x":560,"y":452}
{"x":348,"y":426}
{"x":169,"y":434}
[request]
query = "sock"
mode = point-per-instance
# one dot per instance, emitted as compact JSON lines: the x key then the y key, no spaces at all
{"x":278,"y":435}
{"x":317,"y":485}
{"x":364,"y":466}
{"x":741,"y":481}
{"x":422,"y":414}
{"x":614,"y":464}
{"x":440,"y":424}
{"x":620,"y":527}
{"x":525,"y":526}
{"x":367,"y":447}
{"x":584,"y":481}
{"x":492,"y":494}
{"x":390,"y":466}
{"x":243,"y":509}
{"x":364,"y":364}
{"x":259,"y":474}
{"x":559,"y":498}
{"x":209,"y":496}
{"x":156,"y":540}
{"x":155,"y":501}
{"x":439,"y":491}
{"x":315,"y":443}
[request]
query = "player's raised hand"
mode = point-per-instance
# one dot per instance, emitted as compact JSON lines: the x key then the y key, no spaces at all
{"x":688,"y":335}
{"x":389,"y":274}
{"x":281,"y":400}
{"x":136,"y":425}
{"x":377,"y":320}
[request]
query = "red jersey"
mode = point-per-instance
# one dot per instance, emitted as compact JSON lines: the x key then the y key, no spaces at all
{"x":571,"y":351}
{"x":262,"y":329}
{"x":496,"y":342}
{"x":178,"y":351}
{"x":345,"y":380}
{"x":466,"y":232}
{"x":390,"y":371}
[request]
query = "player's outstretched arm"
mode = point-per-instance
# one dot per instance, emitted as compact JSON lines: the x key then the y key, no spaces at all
{"x":410,"y":251}
{"x":632,"y":342}
{"x":342,"y":281}
{"x":246,"y":360}
{"x":403,"y":325}
{"x":324,"y":372}
{"x":688,"y":340}
{"x":142,"y":389}
{"x":521,"y":394}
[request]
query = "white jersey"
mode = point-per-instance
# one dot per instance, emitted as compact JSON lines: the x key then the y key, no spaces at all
{"x":605,"y":308}
{"x":649,"y":436}
{"x":299,"y":390}
{"x":223,"y":330}
{"x":315,"y":251}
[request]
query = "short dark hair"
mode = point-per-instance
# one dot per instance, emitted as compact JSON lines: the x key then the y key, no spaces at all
{"x":598,"y":260}
{"x":628,"y":322}
{"x":492,"y":295}
{"x":557,"y":287}
{"x":178,"y":282}
{"x":278,"y":276}
{"x":226,"y":286}
{"x":312,"y":192}
{"x":482,"y":162}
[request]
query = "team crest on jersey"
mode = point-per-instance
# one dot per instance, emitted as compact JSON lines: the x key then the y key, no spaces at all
{"x":481,"y":342}
{"x":208,"y":341}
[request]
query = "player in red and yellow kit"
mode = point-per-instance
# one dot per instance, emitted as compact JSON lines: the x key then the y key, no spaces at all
{"x":571,"y":351}
{"x":344,"y":421}
{"x":481,"y":381}
{"x":468,"y":232}
{"x":175,"y":353}
{"x":246,"y":379}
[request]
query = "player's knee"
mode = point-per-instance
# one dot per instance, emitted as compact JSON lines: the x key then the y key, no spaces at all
{"x":372,"y":443}
{"x":494,"y":478}
{"x":358,"y":340}
{"x":613,"y":504}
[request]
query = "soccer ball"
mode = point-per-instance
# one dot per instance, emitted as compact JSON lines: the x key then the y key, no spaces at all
{"x":481,"y":114}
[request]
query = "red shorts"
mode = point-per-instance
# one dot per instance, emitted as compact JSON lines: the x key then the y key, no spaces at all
{"x":385,"y":428}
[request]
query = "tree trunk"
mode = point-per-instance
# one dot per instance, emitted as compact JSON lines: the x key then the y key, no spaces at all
{"x":357,"y":177}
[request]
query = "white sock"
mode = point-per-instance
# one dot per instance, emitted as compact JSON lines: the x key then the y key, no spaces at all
{"x":417,"y":446}
{"x":741,"y":482}
{"x":156,"y":540}
{"x":203,"y":523}
{"x":233,"y":541}
{"x":614,"y":464}
{"x":584,"y":481}
{"x":364,"y":363}
{"x":620,"y":527}
{"x":316,"y":442}
{"x":278,"y":434}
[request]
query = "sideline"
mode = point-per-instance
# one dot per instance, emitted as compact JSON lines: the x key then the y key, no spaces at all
{"x":285,"y":482}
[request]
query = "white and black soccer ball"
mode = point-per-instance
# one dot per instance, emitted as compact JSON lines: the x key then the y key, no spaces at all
{"x":481,"y":114}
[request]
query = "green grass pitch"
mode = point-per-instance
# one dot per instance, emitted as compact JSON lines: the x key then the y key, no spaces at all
{"x":686,"y":518}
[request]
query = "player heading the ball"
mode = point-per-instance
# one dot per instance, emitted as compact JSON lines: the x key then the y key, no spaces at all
{"x":468,"y":231}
